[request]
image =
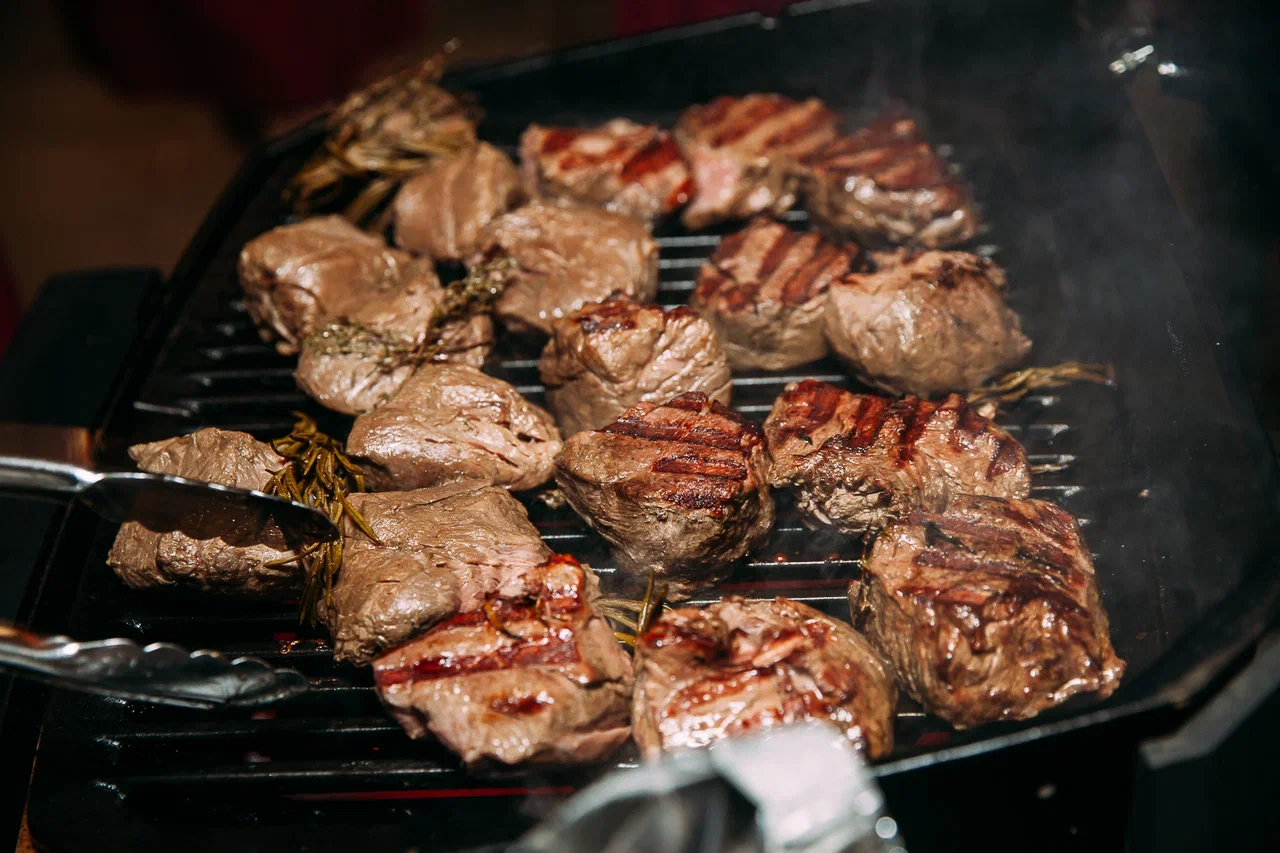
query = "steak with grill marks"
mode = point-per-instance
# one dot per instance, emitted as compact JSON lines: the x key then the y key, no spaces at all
{"x":738,"y":667}
{"x":989,"y":611}
{"x":765,"y":290}
{"x":925,"y":323}
{"x":607,"y":357}
{"x":535,"y":675}
{"x":452,"y":422}
{"x":858,"y":461}
{"x":628,"y":168}
{"x":744,"y":151}
{"x":678,"y":489}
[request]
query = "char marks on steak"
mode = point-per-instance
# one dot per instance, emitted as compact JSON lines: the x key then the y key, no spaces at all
{"x":989,"y":611}
{"x":535,"y":675}
{"x":858,"y":461}
{"x":604,"y":359}
{"x":738,"y":667}
{"x":743,"y":153}
{"x":677,"y":488}
{"x":765,"y":290}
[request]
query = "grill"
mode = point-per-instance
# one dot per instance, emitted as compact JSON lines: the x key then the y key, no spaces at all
{"x":1168,"y":472}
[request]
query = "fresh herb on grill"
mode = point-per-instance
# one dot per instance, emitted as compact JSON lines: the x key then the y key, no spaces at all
{"x":1016,"y":384}
{"x":645,"y":609}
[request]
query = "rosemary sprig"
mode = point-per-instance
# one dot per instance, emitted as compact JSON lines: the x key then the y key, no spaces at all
{"x":644,"y":610}
{"x":1015,"y":385}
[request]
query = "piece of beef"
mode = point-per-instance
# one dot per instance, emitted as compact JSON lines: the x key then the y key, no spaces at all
{"x":765,"y":291}
{"x":451,"y":422}
{"x":744,"y":153}
{"x":443,"y":550}
{"x":567,"y":257}
{"x":932,"y":322}
{"x":679,"y":489}
{"x":989,"y":611}
{"x":857,"y":461}
{"x":607,"y":357}
{"x":629,"y":168}
{"x":738,"y":667}
{"x":442,"y":210}
{"x":217,"y":555}
{"x":884,"y":183}
{"x":535,"y":675}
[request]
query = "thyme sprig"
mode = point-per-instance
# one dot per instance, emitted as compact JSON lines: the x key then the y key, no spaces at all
{"x":1015,"y":385}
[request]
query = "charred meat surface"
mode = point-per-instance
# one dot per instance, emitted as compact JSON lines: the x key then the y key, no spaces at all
{"x":216,"y":555}
{"x":884,"y":183}
{"x":679,"y":489}
{"x":765,"y":291}
{"x":567,"y":257}
{"x":925,"y":323}
{"x":628,"y":168}
{"x":607,"y":357}
{"x":534,"y":675}
{"x":442,"y":211}
{"x":989,"y":611}
{"x":441,"y":551}
{"x":858,"y":461}
{"x":739,"y":667}
{"x":452,"y":422}
{"x":744,"y":151}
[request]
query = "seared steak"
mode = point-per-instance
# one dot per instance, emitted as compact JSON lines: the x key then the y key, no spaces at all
{"x":536,"y":675}
{"x":567,"y":257}
{"x":442,"y":210}
{"x":214,"y":554}
{"x":679,"y":489}
{"x":930,"y":323}
{"x":443,"y":550}
{"x":629,"y":168}
{"x":607,"y":357}
{"x":738,"y":667}
{"x":858,"y":461}
{"x":885,"y":183}
{"x":765,"y":289}
{"x":452,"y":422}
{"x":743,"y":153}
{"x":989,"y":611}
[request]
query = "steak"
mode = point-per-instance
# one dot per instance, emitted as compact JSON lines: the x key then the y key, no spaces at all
{"x":567,"y":257}
{"x":765,"y":290}
{"x":442,"y":551}
{"x":442,"y":210}
{"x":857,"y":461}
{"x":989,"y":611}
{"x":744,"y":153}
{"x":925,"y":323}
{"x":884,"y":183}
{"x":678,"y":489}
{"x":628,"y":168}
{"x":739,"y":667}
{"x":607,"y":357}
{"x":535,"y":675}
{"x":452,"y":422}
{"x":214,"y":554}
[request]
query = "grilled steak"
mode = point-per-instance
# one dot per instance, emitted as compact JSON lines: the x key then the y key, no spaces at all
{"x":629,"y":168}
{"x":536,"y":675}
{"x":567,"y":257}
{"x":930,"y":323}
{"x":607,"y":357}
{"x":679,"y":489}
{"x":989,"y":611}
{"x":885,"y":183}
{"x":743,"y":153}
{"x":442,"y":210}
{"x":858,"y":461}
{"x":740,"y":666}
{"x":765,"y":289}
{"x":442,"y":551}
{"x":219,"y":554}
{"x":451,"y":422}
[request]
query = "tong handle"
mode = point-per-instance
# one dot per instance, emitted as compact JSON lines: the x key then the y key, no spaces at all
{"x":43,"y":478}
